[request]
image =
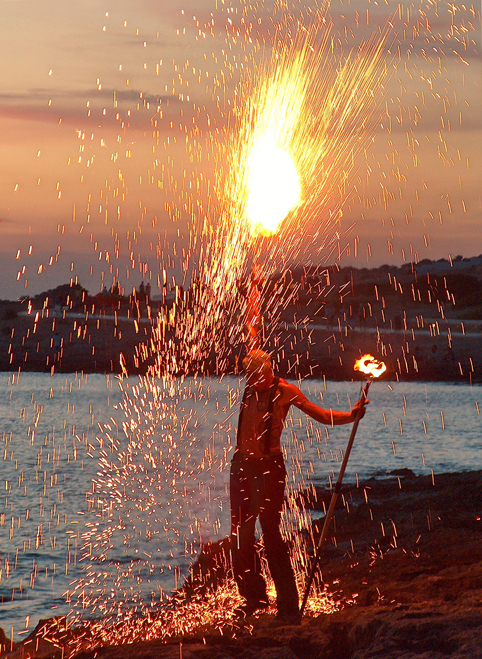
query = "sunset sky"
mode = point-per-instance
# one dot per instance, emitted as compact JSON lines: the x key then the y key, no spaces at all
{"x":89,"y":168}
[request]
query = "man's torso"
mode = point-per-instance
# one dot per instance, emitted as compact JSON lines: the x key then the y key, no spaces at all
{"x":257,"y":438}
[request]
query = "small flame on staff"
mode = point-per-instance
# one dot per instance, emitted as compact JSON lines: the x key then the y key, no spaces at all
{"x":370,"y":366}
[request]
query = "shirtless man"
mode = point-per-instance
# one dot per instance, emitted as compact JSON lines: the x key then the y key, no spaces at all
{"x":257,"y":485}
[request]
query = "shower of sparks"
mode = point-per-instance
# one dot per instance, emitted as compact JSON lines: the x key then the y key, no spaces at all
{"x":299,"y":121}
{"x":300,"y":117}
{"x":213,"y":612}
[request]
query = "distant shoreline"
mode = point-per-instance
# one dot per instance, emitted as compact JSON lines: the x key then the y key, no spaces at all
{"x":414,"y":350}
{"x":326,"y":360}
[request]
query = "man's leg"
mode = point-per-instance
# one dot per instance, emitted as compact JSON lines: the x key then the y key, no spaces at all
{"x":276,"y":549}
{"x":245,"y":494}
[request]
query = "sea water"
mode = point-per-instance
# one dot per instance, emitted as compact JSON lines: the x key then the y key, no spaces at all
{"x":106,"y":493}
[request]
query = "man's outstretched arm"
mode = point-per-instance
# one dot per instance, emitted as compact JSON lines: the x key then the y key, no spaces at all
{"x":292,"y":395}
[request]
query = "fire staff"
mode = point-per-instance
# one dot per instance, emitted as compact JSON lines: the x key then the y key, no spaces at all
{"x":257,"y":484}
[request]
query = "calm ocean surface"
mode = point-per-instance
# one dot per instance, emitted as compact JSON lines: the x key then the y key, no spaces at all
{"x":106,"y":495}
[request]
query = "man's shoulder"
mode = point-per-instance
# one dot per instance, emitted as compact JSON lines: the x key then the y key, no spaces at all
{"x":288,"y":391}
{"x":282,"y":384}
{"x":287,"y":385}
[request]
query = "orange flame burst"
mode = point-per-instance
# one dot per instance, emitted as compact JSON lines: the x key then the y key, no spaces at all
{"x":371,"y":366}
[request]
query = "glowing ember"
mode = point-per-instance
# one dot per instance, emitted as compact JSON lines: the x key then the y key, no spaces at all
{"x":274,"y":186}
{"x":371,"y":366}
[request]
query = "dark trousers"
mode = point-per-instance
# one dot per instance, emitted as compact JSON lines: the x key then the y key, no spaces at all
{"x":257,"y":489}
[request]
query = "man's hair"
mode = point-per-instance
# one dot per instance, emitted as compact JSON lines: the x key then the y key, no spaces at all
{"x":257,"y":361}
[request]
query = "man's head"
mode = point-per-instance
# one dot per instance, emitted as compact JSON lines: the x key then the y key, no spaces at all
{"x":259,"y":369}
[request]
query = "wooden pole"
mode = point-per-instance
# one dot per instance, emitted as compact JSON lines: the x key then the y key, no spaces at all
{"x":334,"y":498}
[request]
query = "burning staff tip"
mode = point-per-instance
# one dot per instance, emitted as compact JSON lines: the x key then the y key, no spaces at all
{"x":371,"y":366}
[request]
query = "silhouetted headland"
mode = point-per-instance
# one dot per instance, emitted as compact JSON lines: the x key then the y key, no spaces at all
{"x":424,"y":321}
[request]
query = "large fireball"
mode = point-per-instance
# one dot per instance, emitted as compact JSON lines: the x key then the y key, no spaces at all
{"x":274,"y":186}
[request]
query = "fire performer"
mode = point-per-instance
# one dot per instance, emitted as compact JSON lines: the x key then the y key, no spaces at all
{"x":258,"y":478}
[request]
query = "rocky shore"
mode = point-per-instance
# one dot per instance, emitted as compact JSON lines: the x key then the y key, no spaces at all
{"x":404,"y":562}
